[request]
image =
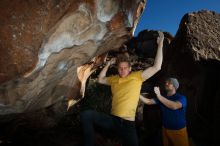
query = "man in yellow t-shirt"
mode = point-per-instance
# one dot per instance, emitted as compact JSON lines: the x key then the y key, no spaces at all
{"x":125,"y":89}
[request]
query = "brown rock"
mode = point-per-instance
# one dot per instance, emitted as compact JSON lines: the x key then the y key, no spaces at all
{"x":194,"y":58}
{"x":44,"y":46}
{"x":199,"y":34}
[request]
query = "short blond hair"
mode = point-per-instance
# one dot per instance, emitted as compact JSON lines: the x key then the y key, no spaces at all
{"x":123,"y":58}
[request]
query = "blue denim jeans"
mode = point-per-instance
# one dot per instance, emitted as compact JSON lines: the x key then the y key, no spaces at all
{"x":123,"y":128}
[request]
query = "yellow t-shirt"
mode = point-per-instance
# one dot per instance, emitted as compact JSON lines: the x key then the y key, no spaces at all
{"x":126,"y":93}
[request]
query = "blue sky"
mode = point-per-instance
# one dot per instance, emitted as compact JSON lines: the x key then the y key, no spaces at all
{"x":166,"y":15}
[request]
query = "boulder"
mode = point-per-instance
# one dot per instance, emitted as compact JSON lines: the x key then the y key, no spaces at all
{"x":193,"y":57}
{"x":199,"y":34}
{"x":49,"y":48}
{"x":145,"y":44}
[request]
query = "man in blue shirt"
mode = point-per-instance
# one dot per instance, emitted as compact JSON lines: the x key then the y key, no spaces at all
{"x":173,"y":107}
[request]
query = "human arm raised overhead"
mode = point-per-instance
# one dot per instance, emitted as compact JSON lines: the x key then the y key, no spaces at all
{"x":149,"y":72}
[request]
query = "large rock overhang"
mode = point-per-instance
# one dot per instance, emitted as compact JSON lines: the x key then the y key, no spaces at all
{"x":49,"y":48}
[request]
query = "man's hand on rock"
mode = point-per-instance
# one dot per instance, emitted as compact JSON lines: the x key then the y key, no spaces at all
{"x":160,"y":38}
{"x":111,"y":61}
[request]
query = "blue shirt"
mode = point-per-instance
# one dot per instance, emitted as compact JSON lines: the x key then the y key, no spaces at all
{"x":173,"y":119}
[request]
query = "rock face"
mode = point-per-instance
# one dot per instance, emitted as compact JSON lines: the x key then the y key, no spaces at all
{"x":194,"y":58}
{"x":145,"y":44}
{"x":45,"y":45}
{"x":201,"y":34}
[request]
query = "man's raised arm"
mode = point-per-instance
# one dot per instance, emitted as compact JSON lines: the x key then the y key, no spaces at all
{"x":102,"y":79}
{"x":174,"y":105}
{"x":149,"y":72}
